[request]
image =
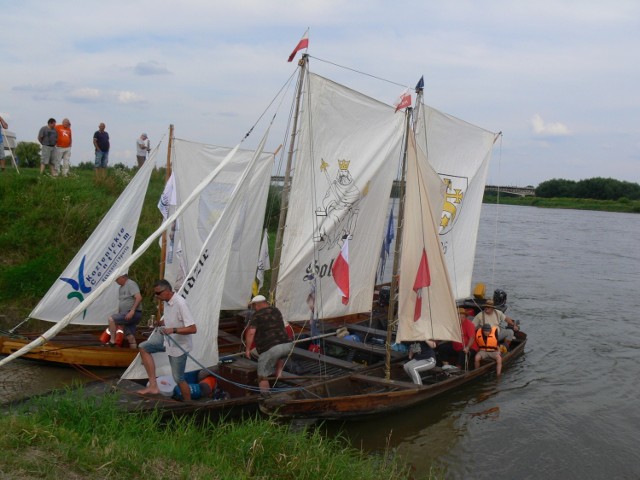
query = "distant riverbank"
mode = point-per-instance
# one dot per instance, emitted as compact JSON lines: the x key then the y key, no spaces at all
{"x":622,"y":205}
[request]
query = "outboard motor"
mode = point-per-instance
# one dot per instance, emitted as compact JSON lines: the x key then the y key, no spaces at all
{"x":500,"y":299}
{"x":384,"y":296}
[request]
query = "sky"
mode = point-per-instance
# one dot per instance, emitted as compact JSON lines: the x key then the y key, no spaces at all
{"x":559,"y":78}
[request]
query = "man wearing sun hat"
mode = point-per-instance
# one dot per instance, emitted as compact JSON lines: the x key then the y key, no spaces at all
{"x":496,"y":318}
{"x":267,"y":329}
{"x":143,"y":146}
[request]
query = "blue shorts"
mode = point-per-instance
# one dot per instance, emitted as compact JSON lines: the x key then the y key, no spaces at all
{"x":155,"y":344}
{"x":102,"y":158}
{"x":129,"y":325}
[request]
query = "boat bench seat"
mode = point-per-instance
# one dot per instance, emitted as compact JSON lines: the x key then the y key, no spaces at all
{"x":363,"y":347}
{"x":318,"y":357}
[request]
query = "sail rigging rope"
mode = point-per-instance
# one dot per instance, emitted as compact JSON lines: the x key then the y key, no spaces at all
{"x":360,"y":72}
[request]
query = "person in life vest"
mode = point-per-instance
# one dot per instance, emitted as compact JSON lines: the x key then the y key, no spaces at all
{"x":487,"y":341}
{"x":506,"y":325}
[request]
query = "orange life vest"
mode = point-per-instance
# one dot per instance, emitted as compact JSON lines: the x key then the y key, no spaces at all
{"x":491,"y":343}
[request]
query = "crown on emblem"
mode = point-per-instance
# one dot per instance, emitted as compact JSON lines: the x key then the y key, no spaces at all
{"x":344,"y":164}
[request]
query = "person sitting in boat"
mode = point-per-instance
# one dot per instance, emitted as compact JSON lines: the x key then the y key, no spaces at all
{"x":422,"y":357}
{"x":468,"y":348}
{"x":176,"y":329}
{"x":129,"y":310}
{"x":487,"y":341}
{"x":496,"y":318}
{"x":267,"y":329}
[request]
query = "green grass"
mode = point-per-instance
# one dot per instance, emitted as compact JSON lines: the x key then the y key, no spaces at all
{"x":44,"y":221}
{"x":68,"y":436}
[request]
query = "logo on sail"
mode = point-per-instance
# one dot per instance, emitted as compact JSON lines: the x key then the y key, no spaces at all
{"x":338,"y":214}
{"x":456,"y":190}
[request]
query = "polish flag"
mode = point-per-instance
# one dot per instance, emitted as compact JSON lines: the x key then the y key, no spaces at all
{"x":423,"y":279}
{"x":303,"y":43}
{"x":340,"y":272}
{"x":404,"y":100}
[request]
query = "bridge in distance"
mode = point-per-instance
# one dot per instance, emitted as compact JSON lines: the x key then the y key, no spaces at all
{"x":512,"y":190}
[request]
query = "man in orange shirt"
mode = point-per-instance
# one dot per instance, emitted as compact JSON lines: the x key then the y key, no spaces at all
{"x":63,"y":146}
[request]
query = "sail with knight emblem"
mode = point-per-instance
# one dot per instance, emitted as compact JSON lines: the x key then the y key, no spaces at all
{"x":347,"y":155}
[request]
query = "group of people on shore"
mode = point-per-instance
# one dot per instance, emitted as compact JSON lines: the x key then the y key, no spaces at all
{"x":482,"y":338}
{"x":56,"y":140}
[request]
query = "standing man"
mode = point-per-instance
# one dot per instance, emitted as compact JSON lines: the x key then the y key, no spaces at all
{"x":177,"y":326}
{"x":129,"y":310}
{"x":3,"y":125}
{"x":101,"y":143}
{"x":48,"y":137}
{"x":267,"y":329}
{"x":143,"y":146}
{"x":63,"y":146}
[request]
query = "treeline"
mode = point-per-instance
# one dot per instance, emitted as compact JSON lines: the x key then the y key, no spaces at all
{"x":597,"y":188}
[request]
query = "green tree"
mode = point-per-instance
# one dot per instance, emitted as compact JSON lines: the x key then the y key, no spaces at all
{"x":28,"y":154}
{"x":556,"y":187}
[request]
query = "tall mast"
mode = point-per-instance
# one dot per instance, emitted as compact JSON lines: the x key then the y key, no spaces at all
{"x":163,"y":249}
{"x":391,"y":320}
{"x":286,"y":187}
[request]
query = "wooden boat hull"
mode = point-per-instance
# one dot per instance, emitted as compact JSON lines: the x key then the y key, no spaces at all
{"x":367,"y":393}
{"x":84,"y":347}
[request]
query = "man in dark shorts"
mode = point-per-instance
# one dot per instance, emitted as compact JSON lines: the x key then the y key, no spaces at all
{"x":129,"y":310}
{"x":267,"y":329}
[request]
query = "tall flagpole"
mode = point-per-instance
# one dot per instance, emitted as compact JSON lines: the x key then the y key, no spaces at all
{"x":163,"y":249}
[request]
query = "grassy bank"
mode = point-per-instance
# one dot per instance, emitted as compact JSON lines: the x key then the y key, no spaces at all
{"x":67,"y":436}
{"x":623,"y":205}
{"x":44,"y":221}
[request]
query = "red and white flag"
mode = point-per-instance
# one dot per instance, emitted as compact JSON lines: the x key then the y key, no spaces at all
{"x":423,"y":279}
{"x":404,"y":100}
{"x":340,"y":271}
{"x":303,"y":43}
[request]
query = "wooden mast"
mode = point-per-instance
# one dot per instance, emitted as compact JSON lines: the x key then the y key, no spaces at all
{"x":391,"y":317}
{"x":163,"y":249}
{"x":284,"y":199}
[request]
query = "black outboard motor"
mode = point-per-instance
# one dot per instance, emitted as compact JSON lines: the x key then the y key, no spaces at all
{"x":384,"y":296}
{"x":500,"y":299}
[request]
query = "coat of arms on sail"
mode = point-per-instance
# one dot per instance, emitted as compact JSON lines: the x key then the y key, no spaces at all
{"x":338,"y":214}
{"x":456,"y":190}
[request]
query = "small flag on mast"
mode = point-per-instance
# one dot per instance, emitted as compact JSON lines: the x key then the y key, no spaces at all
{"x":420,"y":84}
{"x":303,"y":43}
{"x":404,"y":100}
{"x":340,"y":272}
{"x":423,"y":279}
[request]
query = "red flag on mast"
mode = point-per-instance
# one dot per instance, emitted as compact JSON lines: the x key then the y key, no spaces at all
{"x":404,"y":100}
{"x":340,"y":271}
{"x":303,"y":43}
{"x":423,"y":279}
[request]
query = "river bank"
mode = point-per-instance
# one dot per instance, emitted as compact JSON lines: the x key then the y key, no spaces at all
{"x":622,"y":206}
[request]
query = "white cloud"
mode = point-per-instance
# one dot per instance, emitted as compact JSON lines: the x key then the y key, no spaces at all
{"x":543,"y":129}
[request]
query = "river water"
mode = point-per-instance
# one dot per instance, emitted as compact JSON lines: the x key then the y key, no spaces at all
{"x":567,"y":408}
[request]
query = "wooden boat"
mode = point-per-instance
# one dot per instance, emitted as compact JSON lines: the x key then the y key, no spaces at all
{"x":364,"y":394}
{"x":84,"y":348}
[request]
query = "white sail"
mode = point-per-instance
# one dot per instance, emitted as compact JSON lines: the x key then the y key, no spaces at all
{"x":348,"y":151}
{"x":108,"y":246}
{"x":427,"y":309}
{"x":192,"y":161}
{"x":203,"y":286}
{"x":460,"y":152}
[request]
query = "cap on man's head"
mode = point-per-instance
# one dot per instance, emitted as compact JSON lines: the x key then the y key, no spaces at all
{"x":489,"y":303}
{"x":123,"y":275}
{"x":462,"y":311}
{"x":258,"y":299}
{"x":144,"y":135}
{"x":486,"y":328}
